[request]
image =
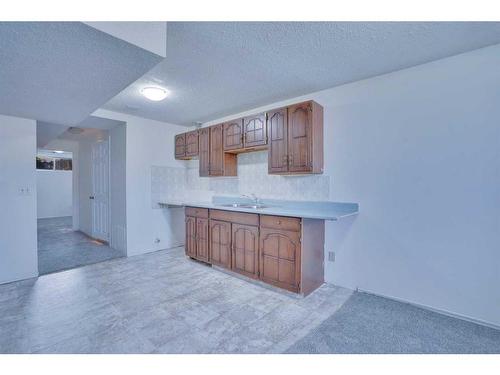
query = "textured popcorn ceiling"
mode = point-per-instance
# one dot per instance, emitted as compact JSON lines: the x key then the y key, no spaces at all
{"x":214,"y":69}
{"x":60,"y":72}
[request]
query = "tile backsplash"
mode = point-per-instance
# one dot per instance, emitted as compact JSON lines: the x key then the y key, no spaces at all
{"x":173,"y":183}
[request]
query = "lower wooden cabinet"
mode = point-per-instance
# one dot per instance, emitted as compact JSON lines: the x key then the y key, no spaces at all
{"x":245,"y":244}
{"x":220,"y":243}
{"x":280,"y":258}
{"x":202,"y":248}
{"x":281,"y":251}
{"x":196,"y":245}
{"x":190,"y":244}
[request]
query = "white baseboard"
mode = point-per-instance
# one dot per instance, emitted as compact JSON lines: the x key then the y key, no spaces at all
{"x":433,"y":309}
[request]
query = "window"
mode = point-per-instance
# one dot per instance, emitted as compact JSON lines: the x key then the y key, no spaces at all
{"x":51,"y":160}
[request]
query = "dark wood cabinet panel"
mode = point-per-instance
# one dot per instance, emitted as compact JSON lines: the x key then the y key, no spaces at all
{"x":280,"y":258}
{"x":192,"y":144}
{"x":235,"y":217}
{"x":286,"y":252}
{"x":292,"y":135}
{"x":280,"y":222}
{"x":221,"y":163}
{"x":300,"y":138}
{"x":204,"y":151}
{"x":202,"y":252}
{"x":296,"y":139}
{"x":254,"y":131}
{"x":197,"y":212}
{"x":277,"y":124}
{"x":220,"y":243}
{"x":190,"y":243}
{"x":245,"y":249}
{"x":180,"y":146}
{"x":233,"y":135}
{"x":216,"y":151}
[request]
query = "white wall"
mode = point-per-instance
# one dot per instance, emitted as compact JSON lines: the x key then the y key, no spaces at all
{"x":148,"y":143}
{"x":85,"y":186}
{"x":18,"y":234}
{"x":419,"y":150}
{"x":71,"y":146}
{"x":118,"y":187}
{"x":54,"y":191}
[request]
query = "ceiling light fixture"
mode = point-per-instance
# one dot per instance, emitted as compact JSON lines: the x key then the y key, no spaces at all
{"x":155,"y":94}
{"x":75,"y":130}
{"x":58,"y":152}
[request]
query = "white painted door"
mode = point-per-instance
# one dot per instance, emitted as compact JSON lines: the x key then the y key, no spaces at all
{"x":100,"y":190}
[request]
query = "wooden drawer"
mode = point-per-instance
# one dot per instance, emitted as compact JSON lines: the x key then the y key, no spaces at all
{"x":197,"y":212}
{"x":235,"y":217}
{"x":280,"y":222}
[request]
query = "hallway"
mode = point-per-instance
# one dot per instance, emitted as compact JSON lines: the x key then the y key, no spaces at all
{"x":61,"y":248}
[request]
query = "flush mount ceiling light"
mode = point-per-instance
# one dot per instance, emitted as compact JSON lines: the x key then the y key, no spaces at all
{"x":155,"y":94}
{"x":75,"y":130}
{"x":58,"y":152}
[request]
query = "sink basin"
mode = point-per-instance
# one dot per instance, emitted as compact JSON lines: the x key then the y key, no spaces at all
{"x":245,"y":205}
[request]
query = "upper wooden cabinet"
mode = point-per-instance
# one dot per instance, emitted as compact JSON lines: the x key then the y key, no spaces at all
{"x":296,"y":139}
{"x":180,"y":146}
{"x":192,"y":144}
{"x":204,"y":151}
{"x":216,"y":151}
{"x":186,"y":145}
{"x":293,"y":136}
{"x":254,"y":131}
{"x":277,"y":126}
{"x":233,"y":135}
{"x":246,"y":134}
{"x":221,"y":163}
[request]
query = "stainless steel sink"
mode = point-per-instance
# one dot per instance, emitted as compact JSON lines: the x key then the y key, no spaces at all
{"x":245,"y":205}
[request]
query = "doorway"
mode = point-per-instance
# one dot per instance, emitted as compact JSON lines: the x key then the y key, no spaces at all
{"x":74,"y":204}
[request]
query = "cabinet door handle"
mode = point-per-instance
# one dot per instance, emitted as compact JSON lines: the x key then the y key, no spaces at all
{"x":290,"y":160}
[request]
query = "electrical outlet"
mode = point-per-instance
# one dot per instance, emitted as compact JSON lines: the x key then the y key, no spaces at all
{"x":25,"y":191}
{"x":331,"y":256}
{"x":157,"y":240}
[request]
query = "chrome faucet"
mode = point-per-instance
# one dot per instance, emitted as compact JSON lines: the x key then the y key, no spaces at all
{"x":253,"y":197}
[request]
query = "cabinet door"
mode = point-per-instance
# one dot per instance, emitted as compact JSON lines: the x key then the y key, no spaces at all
{"x":233,"y":135}
{"x":204,"y":151}
{"x":202,"y":239}
{"x":180,"y":145}
{"x":190,"y":245}
{"x":245,"y":243}
{"x":300,"y":138}
{"x":220,"y":243}
{"x":280,"y":258}
{"x":278,"y":141}
{"x":192,"y":144}
{"x":255,"y":130}
{"x":216,"y":151}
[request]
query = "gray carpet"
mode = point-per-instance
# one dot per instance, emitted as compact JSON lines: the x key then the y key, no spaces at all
{"x":371,"y":324}
{"x":61,"y":248}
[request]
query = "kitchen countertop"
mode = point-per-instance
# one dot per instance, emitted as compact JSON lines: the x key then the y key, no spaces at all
{"x":324,"y":210}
